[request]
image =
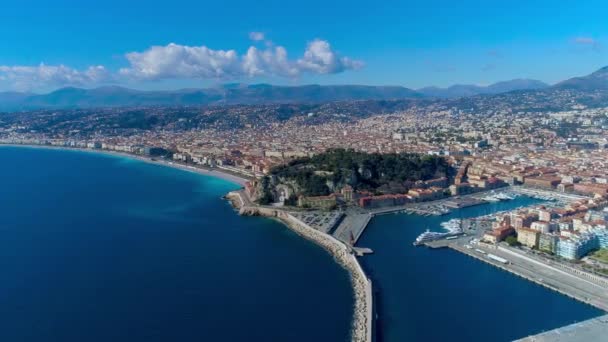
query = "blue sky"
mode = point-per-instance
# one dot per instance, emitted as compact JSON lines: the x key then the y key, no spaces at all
{"x":49,"y":44}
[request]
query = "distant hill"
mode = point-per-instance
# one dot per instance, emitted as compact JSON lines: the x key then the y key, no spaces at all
{"x":464,"y":90}
{"x":10,"y":98}
{"x":238,"y":93}
{"x":597,"y":80}
{"x":230,"y":94}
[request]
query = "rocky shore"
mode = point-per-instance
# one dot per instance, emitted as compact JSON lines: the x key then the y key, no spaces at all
{"x":362,"y":316}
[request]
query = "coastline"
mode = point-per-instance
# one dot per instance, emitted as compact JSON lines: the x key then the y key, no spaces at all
{"x":361,"y":284}
{"x":218,"y":173}
{"x":361,"y":330}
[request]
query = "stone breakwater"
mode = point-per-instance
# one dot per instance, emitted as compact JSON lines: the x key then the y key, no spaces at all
{"x":362,"y":287}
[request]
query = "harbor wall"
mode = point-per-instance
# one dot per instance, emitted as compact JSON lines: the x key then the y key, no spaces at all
{"x":362,"y":286}
{"x":506,"y":267}
{"x":593,"y":277}
{"x":595,"y":329}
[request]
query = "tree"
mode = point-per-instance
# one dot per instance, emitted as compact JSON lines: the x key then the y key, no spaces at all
{"x":363,"y":171}
{"x":512,"y":241}
{"x":266,"y":197}
{"x":291,"y":201}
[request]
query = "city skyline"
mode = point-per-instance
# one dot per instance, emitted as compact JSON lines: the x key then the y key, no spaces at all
{"x":354,"y":43}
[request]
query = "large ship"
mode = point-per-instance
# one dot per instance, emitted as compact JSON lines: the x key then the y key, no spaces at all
{"x":428,"y":236}
{"x":501,"y":196}
{"x":453,"y":227}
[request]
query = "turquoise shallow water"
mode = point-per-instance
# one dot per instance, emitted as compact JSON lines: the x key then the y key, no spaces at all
{"x":443,"y":295}
{"x":102,"y":248}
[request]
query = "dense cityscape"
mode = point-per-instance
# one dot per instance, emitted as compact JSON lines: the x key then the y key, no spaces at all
{"x":564,"y":150}
{"x":345,"y":171}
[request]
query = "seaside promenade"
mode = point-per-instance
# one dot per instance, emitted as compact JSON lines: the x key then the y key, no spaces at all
{"x":222,"y":173}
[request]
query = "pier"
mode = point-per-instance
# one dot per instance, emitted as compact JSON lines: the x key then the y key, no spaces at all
{"x":595,"y":329}
{"x":363,"y":320}
{"x":589,"y":290}
{"x":351,"y":227}
{"x":533,"y":192}
{"x":351,"y":223}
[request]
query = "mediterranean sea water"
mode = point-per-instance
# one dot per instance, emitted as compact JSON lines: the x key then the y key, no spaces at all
{"x":443,"y":295}
{"x":103,"y":248}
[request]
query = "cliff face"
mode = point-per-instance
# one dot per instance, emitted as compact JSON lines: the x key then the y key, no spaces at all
{"x":273,"y":189}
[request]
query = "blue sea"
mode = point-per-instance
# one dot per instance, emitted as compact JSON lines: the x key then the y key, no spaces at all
{"x":103,"y":248}
{"x":427,"y":294}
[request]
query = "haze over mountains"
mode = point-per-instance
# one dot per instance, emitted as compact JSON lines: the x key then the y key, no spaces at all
{"x":461,"y":90}
{"x":595,"y":81}
{"x":114,"y":96}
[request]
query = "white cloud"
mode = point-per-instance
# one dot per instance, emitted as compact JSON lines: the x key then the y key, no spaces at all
{"x":42,"y":76}
{"x":269,"y":62}
{"x":256,"y":36}
{"x":175,"y":61}
{"x":179,"y":61}
{"x":321,"y":59}
{"x":585,"y":41}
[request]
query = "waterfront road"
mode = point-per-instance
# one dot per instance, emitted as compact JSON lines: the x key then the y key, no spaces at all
{"x":595,"y":329}
{"x":565,"y":282}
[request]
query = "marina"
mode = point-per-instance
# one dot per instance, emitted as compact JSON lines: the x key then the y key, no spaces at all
{"x":589,"y":289}
{"x":415,"y":283}
{"x":452,"y":228}
{"x":355,"y":220}
{"x":459,"y":231}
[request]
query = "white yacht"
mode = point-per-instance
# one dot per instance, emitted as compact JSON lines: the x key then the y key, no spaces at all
{"x":428,"y":236}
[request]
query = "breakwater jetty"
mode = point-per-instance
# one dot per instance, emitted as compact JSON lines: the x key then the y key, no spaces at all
{"x":343,"y":254}
{"x":342,"y":237}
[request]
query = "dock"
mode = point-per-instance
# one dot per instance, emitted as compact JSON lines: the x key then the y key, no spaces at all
{"x":355,"y":221}
{"x":590,"y":291}
{"x":560,"y":278}
{"x":595,"y":329}
{"x":361,"y":251}
{"x":351,"y":227}
{"x":463,"y":202}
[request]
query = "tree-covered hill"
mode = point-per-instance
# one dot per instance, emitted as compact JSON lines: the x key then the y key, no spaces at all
{"x":380,"y":173}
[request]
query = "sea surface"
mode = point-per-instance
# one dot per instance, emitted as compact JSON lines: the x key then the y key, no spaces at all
{"x":104,"y":248}
{"x":443,"y":295}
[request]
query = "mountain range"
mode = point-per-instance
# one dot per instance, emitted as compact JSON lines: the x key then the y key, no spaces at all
{"x":114,"y":96}
{"x":463,"y":90}
{"x":595,"y":81}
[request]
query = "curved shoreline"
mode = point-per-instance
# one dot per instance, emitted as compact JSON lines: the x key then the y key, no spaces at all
{"x":217,"y":173}
{"x":362,"y":288}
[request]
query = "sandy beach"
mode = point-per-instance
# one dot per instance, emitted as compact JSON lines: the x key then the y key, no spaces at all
{"x":225,"y":175}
